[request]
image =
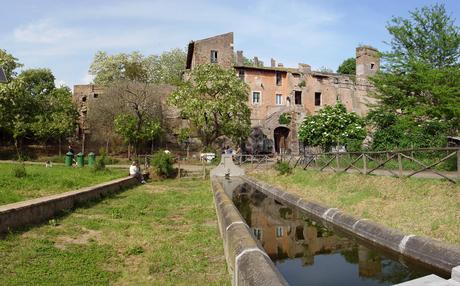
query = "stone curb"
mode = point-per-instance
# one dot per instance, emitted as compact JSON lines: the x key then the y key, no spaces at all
{"x":434,"y":253}
{"x":246,"y":260}
{"x":34,"y":211}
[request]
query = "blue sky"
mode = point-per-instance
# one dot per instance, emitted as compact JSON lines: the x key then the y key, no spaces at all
{"x":65,"y":35}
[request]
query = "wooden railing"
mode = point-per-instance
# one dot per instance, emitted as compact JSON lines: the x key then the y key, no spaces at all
{"x":443,"y":162}
{"x":254,"y":160}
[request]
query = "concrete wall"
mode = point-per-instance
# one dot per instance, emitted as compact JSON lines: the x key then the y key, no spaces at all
{"x":246,"y":260}
{"x":20,"y":214}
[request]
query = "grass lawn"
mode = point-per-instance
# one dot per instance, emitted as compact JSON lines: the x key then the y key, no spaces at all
{"x":41,"y":181}
{"x":415,"y":206}
{"x":161,"y":233}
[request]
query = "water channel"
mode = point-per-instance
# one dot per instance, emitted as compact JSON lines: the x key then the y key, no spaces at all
{"x":307,"y":252}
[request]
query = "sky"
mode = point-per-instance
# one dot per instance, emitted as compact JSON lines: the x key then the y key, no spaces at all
{"x":65,"y":35}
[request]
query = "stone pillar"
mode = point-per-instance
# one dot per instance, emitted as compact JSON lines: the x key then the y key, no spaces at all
{"x":272,"y":62}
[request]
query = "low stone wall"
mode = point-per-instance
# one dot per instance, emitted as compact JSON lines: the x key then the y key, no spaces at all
{"x":246,"y":259}
{"x":20,"y":214}
{"x":439,"y":255}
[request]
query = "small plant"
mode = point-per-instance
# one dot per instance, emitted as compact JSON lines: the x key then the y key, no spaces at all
{"x":163,"y":164}
{"x":285,"y":118}
{"x":100,"y":164}
{"x":136,"y":250}
{"x":19,"y":170}
{"x":53,"y":222}
{"x":283,"y":168}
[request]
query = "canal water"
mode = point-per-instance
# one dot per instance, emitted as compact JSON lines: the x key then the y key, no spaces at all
{"x":307,"y":252}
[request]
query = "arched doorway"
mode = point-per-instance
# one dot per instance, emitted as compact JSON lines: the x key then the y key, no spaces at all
{"x":280,"y":134}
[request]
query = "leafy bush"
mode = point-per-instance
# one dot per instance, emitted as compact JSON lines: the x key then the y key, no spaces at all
{"x":19,"y":170}
{"x":100,"y":164}
{"x":283,"y":168}
{"x":285,"y":118}
{"x":163,"y":164}
{"x":332,"y":125}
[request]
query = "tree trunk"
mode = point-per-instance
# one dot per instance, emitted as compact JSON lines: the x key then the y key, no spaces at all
{"x":107,"y":146}
{"x":60,"y":153}
{"x":129,"y":151}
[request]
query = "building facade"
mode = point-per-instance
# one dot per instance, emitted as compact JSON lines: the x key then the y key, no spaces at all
{"x":280,"y":97}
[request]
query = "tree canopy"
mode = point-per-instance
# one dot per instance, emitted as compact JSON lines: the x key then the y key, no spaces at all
{"x":165,"y":68}
{"x":348,"y":66}
{"x":332,"y":125}
{"x":215,"y":101}
{"x":419,"y":85}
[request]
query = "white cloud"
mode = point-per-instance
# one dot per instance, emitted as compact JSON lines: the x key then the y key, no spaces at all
{"x":45,"y":31}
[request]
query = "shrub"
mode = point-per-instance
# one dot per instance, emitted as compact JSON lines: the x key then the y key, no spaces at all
{"x":19,"y":170}
{"x":163,"y":164}
{"x":100,"y":163}
{"x":283,"y":168}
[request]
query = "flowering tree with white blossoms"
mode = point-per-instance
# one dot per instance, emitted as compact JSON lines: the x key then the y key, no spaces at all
{"x":214,"y":99}
{"x":333,"y":125}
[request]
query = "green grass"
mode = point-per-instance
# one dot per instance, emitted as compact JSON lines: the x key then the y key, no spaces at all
{"x":163,"y":233}
{"x":426,"y":207}
{"x":41,"y":181}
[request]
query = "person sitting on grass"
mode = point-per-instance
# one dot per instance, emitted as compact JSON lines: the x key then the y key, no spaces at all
{"x":135,"y":171}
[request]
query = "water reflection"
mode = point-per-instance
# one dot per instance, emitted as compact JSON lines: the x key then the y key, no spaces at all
{"x":307,"y":251}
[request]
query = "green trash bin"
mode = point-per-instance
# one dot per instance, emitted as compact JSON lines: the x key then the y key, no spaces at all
{"x":91,"y":159}
{"x":80,"y":159}
{"x":68,"y":159}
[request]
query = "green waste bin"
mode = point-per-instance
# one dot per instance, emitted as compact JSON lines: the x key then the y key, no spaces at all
{"x":68,"y":159}
{"x":91,"y":159}
{"x":80,"y":159}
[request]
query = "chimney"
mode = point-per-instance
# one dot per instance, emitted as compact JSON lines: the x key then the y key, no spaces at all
{"x":304,"y":68}
{"x":256,"y":61}
{"x":239,"y":58}
{"x":280,"y":65}
{"x":272,"y":63}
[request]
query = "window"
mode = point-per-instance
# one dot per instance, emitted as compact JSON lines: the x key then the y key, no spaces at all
{"x":279,"y":99}
{"x":241,"y":74}
{"x":297,"y":97}
{"x":317,"y":98}
{"x":255,"y":97}
{"x":83,"y":99}
{"x":213,"y":56}
{"x":279,"y":231}
{"x":278,"y":78}
{"x":372,"y":66}
{"x":95,"y":95}
{"x":257,"y":233}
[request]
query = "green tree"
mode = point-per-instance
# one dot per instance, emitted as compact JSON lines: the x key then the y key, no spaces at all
{"x":166,"y":68}
{"x":57,"y":116}
{"x":348,"y":66}
{"x":419,"y":85}
{"x":333,"y":125}
{"x":38,"y":82}
{"x":215,"y":102}
{"x":9,"y":64}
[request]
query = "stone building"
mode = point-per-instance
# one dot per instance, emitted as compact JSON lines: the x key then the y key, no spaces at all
{"x":280,"y":97}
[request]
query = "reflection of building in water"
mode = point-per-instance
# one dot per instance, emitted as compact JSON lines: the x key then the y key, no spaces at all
{"x":285,"y":233}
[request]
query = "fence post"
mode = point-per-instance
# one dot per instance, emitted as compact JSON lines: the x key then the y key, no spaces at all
{"x":337,"y":161}
{"x":204,"y":171}
{"x":178,"y":172}
{"x":458,"y":166}
{"x":400,"y":165}
{"x":365,"y":163}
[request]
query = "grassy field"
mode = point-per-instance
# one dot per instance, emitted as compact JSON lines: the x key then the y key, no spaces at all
{"x":41,"y":181}
{"x":162,"y":233}
{"x":418,"y":206}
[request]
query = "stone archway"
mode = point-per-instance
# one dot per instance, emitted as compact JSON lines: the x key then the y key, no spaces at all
{"x":281,"y":138}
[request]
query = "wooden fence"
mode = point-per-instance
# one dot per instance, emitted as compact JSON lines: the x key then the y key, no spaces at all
{"x":440,"y":162}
